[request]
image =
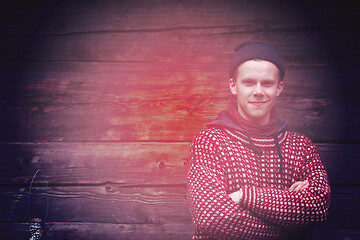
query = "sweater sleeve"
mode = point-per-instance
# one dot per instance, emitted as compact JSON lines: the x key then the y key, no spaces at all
{"x":214,"y":213}
{"x":294,"y":209}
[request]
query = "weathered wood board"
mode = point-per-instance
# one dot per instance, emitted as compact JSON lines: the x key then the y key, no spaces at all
{"x":113,"y":102}
{"x":133,"y":164}
{"x":110,"y":231}
{"x":93,"y":231}
{"x":178,"y":120}
{"x":177,"y":31}
{"x":112,"y":203}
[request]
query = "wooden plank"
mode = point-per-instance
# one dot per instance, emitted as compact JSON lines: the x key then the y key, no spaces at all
{"x":340,"y":160}
{"x":108,"y":203}
{"x":336,"y":234}
{"x":144,"y":15}
{"x":344,"y":207}
{"x":173,"y":120}
{"x":178,"y":46}
{"x":76,"y":32}
{"x":95,"y":231}
{"x":96,"y":163}
{"x":110,"y":82}
{"x":87,"y":82}
{"x":112,"y":203}
{"x":135,"y":163}
{"x":109,"y":231}
{"x":55,"y":102}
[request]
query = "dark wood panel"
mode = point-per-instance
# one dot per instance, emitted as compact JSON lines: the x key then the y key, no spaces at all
{"x":88,"y":82}
{"x":96,"y":163}
{"x":96,"y":231}
{"x":74,"y":82}
{"x":175,"y":32}
{"x":321,"y":119}
{"x":89,"y":231}
{"x":344,"y":207}
{"x":118,"y":101}
{"x":336,"y":234}
{"x":341,"y":161}
{"x":177,"y":46}
{"x":112,"y":203}
{"x":131,"y":164}
{"x":108,"y":15}
{"x":100,"y":74}
{"x":108,"y":203}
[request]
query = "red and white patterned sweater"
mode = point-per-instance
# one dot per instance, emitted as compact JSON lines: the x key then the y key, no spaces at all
{"x":221,"y":162}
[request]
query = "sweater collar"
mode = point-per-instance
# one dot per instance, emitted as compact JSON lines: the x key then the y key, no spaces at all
{"x":271,"y":136}
{"x":231,"y":119}
{"x":258,"y":142}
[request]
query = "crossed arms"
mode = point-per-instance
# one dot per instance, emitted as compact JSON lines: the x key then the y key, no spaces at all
{"x":296,"y":186}
{"x":254,"y":212}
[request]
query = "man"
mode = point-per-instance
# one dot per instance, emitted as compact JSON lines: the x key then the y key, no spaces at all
{"x":249,"y":177}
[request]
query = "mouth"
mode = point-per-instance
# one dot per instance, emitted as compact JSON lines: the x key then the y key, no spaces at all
{"x":258,"y":103}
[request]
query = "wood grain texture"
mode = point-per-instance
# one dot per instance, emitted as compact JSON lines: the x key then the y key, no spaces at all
{"x":189,"y":31}
{"x":94,"y":82}
{"x":105,"y":97}
{"x":95,"y":231}
{"x":198,"y":46}
{"x":133,"y":163}
{"x":108,"y":15}
{"x":107,"y":203}
{"x":90,"y":231}
{"x":93,"y":163}
{"x":170,"y":120}
{"x":158,"y":205}
{"x":158,"y":102}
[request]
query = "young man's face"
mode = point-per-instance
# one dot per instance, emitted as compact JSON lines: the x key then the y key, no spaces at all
{"x":257,"y":85}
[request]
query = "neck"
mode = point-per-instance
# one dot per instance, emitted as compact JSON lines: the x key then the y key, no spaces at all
{"x":259,"y":122}
{"x":254,"y":128}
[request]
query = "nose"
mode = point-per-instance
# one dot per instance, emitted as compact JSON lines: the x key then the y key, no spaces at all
{"x":258,"y":91}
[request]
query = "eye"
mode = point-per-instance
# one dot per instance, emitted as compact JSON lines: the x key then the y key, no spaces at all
{"x":247,"y":82}
{"x":268,"y":83}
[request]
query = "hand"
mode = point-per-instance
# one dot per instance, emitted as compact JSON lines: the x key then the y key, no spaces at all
{"x":300,"y":185}
{"x":236,"y":196}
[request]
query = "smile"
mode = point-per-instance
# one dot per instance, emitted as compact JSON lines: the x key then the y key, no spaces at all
{"x":258,"y":103}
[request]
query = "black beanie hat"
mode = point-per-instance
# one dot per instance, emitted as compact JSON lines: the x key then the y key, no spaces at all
{"x":256,"y":50}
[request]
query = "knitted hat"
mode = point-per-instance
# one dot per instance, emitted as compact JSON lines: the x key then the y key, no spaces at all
{"x":256,"y":50}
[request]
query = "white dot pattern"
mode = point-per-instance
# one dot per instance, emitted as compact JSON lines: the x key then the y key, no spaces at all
{"x":221,"y":162}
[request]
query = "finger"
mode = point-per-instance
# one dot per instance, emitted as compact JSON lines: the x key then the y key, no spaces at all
{"x":291,"y":188}
{"x":294,"y":185}
{"x":306,"y":185}
{"x":302,"y":185}
{"x":298,"y":187}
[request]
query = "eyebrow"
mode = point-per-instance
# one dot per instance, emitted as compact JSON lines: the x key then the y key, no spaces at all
{"x":262,"y":80}
{"x":248,"y":79}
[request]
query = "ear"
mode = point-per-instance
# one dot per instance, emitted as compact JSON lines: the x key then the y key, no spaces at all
{"x":279,"y":88}
{"x":232,"y":86}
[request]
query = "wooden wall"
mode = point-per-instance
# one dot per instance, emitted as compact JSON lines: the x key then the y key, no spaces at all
{"x":105,"y":96}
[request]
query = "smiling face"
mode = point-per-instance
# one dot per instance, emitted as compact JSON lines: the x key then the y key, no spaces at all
{"x":257,"y":85}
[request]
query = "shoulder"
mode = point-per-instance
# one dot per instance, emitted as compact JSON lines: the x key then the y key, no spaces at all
{"x":300,"y":142}
{"x":213,"y":138}
{"x":298,"y":137}
{"x":213,"y":135}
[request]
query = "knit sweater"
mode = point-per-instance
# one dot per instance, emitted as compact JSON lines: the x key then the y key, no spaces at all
{"x":222,"y":161}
